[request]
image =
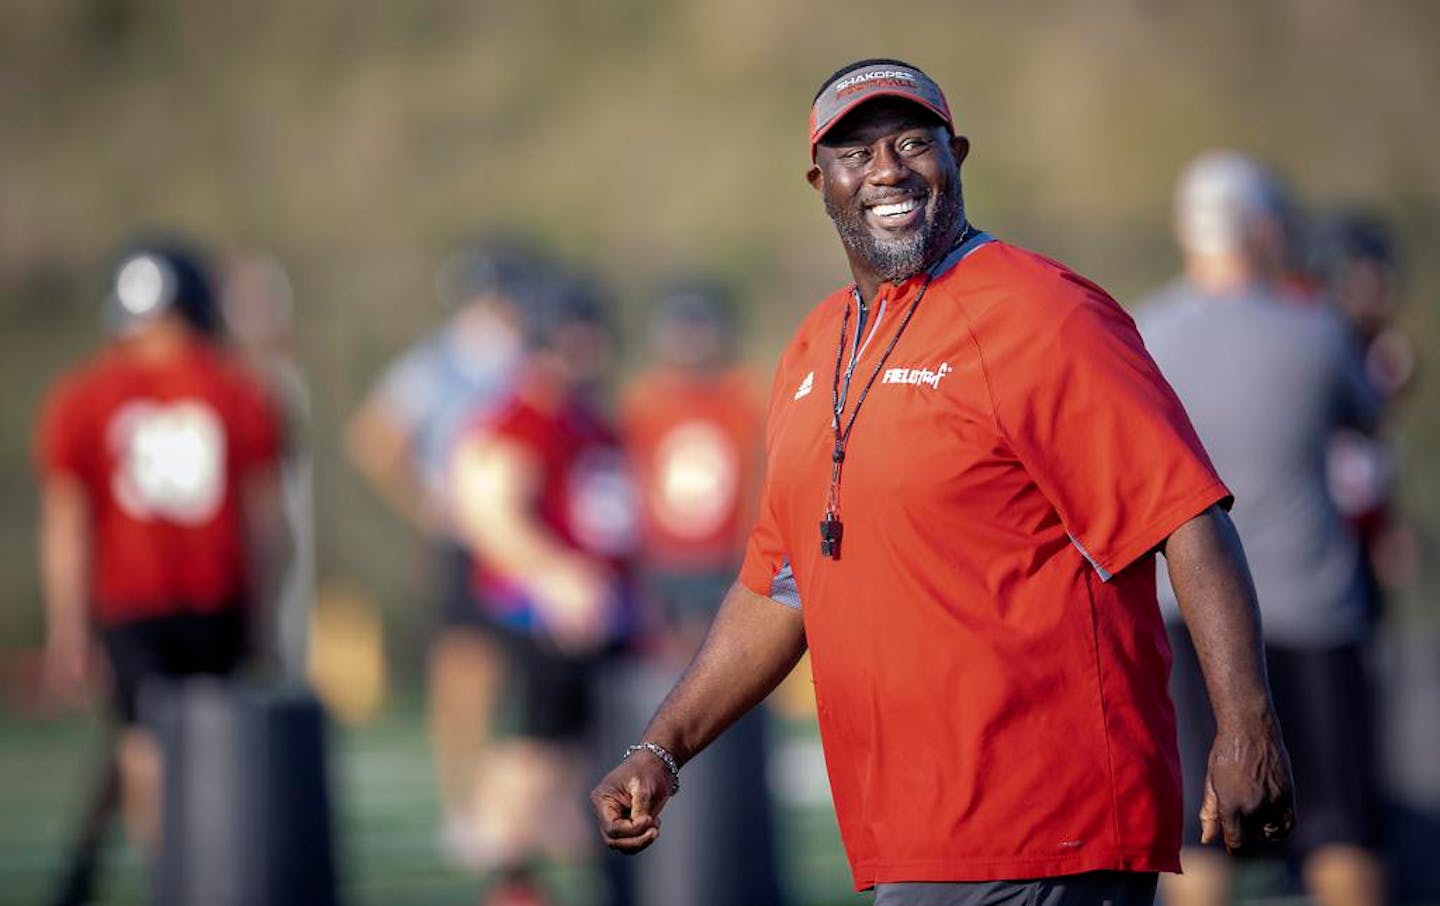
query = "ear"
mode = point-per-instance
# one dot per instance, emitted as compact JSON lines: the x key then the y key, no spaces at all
{"x":960,"y":149}
{"x":816,"y":177}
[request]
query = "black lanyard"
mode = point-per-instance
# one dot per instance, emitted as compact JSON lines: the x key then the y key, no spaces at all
{"x":831,"y":528}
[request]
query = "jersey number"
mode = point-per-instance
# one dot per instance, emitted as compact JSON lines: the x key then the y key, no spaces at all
{"x":169,"y":461}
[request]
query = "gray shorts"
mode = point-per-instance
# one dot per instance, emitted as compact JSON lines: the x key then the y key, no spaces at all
{"x":1096,"y":888}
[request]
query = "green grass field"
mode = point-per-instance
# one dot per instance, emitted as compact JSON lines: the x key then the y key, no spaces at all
{"x":386,"y":817}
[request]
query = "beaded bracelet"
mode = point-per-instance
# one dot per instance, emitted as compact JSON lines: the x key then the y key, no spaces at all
{"x":665,"y":758}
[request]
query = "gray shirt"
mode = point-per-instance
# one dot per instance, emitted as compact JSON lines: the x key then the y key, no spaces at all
{"x":1267,"y":381}
{"x":440,"y":386}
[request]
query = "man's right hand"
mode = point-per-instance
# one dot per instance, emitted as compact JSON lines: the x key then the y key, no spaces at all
{"x":752,"y":645}
{"x":68,"y":661}
{"x":628,"y":801}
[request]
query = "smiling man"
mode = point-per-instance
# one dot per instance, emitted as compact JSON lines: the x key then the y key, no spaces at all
{"x":971,"y":463}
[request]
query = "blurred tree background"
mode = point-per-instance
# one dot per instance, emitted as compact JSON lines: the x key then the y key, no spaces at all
{"x":359,"y":140}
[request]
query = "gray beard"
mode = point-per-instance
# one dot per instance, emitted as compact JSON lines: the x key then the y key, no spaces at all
{"x":897,"y":260}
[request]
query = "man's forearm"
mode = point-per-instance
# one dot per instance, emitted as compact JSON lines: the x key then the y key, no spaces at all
{"x":1217,"y":598}
{"x":270,"y":554}
{"x":496,"y":484}
{"x":64,"y":555}
{"x":1249,"y":795}
{"x":379,"y":449}
{"x":752,"y":645}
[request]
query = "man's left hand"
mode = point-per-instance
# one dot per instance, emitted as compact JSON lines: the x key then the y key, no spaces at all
{"x":1249,"y":793}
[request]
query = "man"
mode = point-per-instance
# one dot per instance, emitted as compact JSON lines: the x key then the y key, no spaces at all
{"x":401,"y":440}
{"x":1269,"y":384}
{"x":693,"y":425}
{"x":160,"y":522}
{"x":1354,"y":255}
{"x":544,"y":501}
{"x":257,"y":307}
{"x":971,"y":460}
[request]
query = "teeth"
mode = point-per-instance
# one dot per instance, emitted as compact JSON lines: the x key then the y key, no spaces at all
{"x":900,"y":207}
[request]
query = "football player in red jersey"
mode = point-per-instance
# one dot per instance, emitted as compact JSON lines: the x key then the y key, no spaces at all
{"x":400,"y":440}
{"x":543,"y":499}
{"x":160,"y":523}
{"x":694,"y":426}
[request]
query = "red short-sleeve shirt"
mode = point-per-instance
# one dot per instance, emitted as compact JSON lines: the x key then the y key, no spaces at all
{"x":161,"y":450}
{"x":989,"y":659}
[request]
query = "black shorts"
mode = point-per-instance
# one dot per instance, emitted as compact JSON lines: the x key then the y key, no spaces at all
{"x":179,"y":645}
{"x":555,"y":691}
{"x":460,"y":607}
{"x":1323,"y":700}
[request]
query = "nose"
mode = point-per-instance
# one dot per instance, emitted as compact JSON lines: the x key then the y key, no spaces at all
{"x":886,"y":167}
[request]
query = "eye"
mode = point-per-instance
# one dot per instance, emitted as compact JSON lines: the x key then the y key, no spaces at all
{"x":855,"y":155}
{"x":913,"y":144}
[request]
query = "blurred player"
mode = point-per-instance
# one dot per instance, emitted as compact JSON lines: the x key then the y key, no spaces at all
{"x":543,"y":497}
{"x":1353,"y":255}
{"x":693,"y":425}
{"x":401,"y":440}
{"x":1267,"y":383}
{"x":160,"y":526}
{"x":257,"y":309}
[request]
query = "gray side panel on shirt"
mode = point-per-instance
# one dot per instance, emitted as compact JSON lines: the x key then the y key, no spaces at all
{"x":783,"y":588}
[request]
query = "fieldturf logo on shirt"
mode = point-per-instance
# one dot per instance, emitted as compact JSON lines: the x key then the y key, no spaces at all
{"x":806,"y":386}
{"x":922,"y":376}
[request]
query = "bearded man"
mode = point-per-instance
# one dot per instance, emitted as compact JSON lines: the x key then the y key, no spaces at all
{"x":971,"y":464}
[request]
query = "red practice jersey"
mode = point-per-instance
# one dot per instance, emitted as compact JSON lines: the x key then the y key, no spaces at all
{"x":585,"y":499}
{"x":695,"y":443}
{"x":162,"y":450}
